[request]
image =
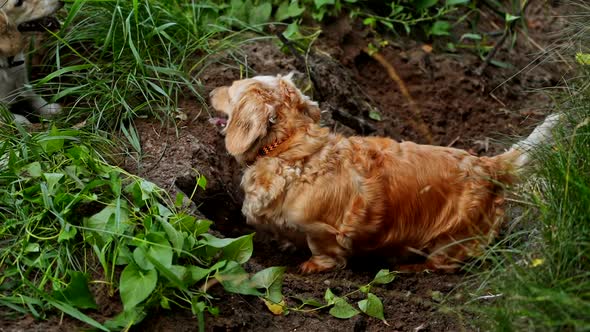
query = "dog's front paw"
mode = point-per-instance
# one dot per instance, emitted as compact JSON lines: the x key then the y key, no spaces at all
{"x":320,"y":263}
{"x":49,"y":110}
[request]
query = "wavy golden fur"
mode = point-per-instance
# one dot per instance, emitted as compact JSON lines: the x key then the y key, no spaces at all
{"x":357,"y":195}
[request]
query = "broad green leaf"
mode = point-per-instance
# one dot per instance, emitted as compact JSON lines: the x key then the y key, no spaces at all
{"x":126,"y":318}
{"x":271,"y":279}
{"x":31,"y":170}
{"x":372,"y":306}
{"x":260,"y":14}
{"x":136,"y":285}
{"x":77,"y":292}
{"x":320,"y":3}
{"x":240,"y":250}
{"x":112,"y":220}
{"x":52,"y":181}
{"x":235,"y":279}
{"x":440,"y":28}
{"x":171,"y":273}
{"x":384,"y":277}
{"x":158,"y":248}
{"x":287,"y":10}
{"x":196,"y":274}
{"x":420,"y":5}
{"x":342,"y":309}
{"x":292,"y":31}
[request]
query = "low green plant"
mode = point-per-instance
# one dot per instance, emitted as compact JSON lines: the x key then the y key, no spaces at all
{"x":70,"y":218}
{"x":340,"y":306}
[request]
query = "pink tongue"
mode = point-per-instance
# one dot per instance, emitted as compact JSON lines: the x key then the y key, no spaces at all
{"x":218,"y":121}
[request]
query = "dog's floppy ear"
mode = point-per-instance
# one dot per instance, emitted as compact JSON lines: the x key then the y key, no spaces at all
{"x":11,"y":42}
{"x":294,"y":97}
{"x":249,"y":120}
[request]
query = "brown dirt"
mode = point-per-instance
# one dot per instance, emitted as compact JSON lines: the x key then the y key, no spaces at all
{"x":458,"y":107}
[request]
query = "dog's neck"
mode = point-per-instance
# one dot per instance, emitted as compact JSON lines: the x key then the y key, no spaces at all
{"x":296,"y":146}
{"x":267,"y":149}
{"x":12,"y":61}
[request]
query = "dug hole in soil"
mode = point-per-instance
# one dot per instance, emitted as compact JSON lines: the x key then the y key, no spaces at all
{"x":457,"y":107}
{"x":450,"y":105}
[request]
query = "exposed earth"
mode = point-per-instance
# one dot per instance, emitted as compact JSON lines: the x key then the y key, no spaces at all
{"x":449,"y":105}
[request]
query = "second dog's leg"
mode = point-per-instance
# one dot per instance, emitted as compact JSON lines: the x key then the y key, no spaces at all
{"x":42,"y":107}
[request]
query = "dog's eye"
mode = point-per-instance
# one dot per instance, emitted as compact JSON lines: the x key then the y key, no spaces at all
{"x":19,"y":3}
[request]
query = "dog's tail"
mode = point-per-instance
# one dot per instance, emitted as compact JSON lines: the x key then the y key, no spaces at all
{"x":519,"y":154}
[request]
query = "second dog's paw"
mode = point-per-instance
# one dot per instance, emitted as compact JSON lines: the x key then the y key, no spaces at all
{"x":49,"y":110}
{"x":21,"y":120}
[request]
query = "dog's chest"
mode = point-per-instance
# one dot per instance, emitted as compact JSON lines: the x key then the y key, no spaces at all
{"x":265,"y":186}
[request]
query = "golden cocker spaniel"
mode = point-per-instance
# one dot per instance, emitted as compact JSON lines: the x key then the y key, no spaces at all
{"x":354,"y":195}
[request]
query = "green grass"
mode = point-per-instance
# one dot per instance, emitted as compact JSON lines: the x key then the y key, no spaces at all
{"x":122,"y":59}
{"x":538,"y":277}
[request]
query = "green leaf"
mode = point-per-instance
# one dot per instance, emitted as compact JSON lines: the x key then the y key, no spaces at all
{"x":583,"y":58}
{"x":112,"y":220}
{"x":292,"y":31}
{"x":329,"y":296}
{"x":77,"y":292}
{"x":235,"y":279}
{"x":271,"y":279}
{"x":31,"y":170}
{"x":440,"y":28}
{"x":311,"y":301}
{"x":509,"y":18}
{"x":450,"y":3}
{"x":67,"y":233}
{"x":196,"y":274}
{"x":420,"y":5}
{"x":202,"y":182}
{"x":342,"y":309}
{"x":176,"y":237}
{"x":260,"y":14}
{"x":375,"y":115}
{"x":320,"y":3}
{"x":372,"y":306}
{"x":158,"y":248}
{"x":240,"y":250}
{"x":287,"y":10}
{"x":384,"y":277}
{"x":136,"y":285}
{"x":125,"y":319}
{"x":52,"y":181}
